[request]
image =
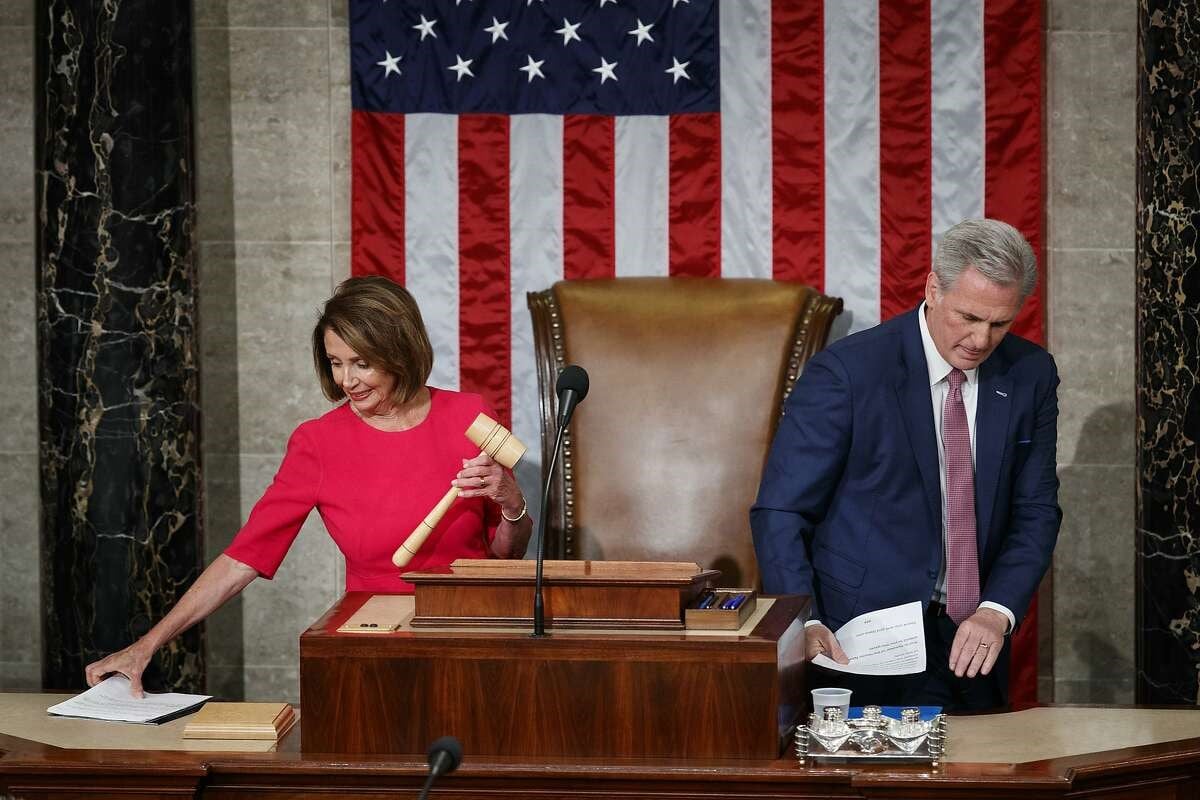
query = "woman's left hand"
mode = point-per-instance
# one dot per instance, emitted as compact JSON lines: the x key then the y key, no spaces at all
{"x":483,"y":477}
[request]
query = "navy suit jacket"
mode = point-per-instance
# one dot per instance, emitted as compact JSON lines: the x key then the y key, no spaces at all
{"x":849,"y":510}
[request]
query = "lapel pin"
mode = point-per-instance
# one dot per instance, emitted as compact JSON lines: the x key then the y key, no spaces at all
{"x":1002,"y":394}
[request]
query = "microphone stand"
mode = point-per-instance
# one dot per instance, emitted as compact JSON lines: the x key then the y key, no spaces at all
{"x":428,"y":785}
{"x":539,"y":609}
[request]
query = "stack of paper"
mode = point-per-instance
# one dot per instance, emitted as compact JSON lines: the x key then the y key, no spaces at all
{"x":241,"y":721}
{"x":112,"y":699}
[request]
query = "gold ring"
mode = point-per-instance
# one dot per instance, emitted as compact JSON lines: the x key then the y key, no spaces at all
{"x":984,"y":646}
{"x":482,"y":481}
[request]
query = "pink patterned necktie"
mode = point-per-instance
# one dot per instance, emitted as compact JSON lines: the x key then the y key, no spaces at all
{"x":962,"y":563}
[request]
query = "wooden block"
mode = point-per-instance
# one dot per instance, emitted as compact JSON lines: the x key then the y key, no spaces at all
{"x":240,"y":721}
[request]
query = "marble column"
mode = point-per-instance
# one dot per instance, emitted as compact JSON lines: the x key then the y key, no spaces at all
{"x":117,"y":383}
{"x":1168,"y":335}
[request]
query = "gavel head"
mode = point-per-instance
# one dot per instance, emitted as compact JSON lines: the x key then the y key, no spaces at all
{"x":497,"y":441}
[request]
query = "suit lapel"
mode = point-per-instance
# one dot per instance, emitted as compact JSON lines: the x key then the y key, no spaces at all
{"x":991,"y":426}
{"x":912,"y":392}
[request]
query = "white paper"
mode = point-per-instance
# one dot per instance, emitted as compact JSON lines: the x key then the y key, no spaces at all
{"x":890,"y":641}
{"x":110,"y":700}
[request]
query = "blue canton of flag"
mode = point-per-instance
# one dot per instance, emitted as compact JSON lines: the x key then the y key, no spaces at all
{"x":613,"y":57}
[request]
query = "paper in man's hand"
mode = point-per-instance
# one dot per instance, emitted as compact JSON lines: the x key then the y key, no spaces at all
{"x":890,"y":641}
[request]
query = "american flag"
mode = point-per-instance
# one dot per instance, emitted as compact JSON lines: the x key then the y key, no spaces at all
{"x":500,"y":146}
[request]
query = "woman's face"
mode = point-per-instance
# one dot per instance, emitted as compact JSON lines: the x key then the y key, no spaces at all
{"x":370,"y":390}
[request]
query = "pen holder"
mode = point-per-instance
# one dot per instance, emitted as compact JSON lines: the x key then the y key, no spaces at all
{"x":716,"y":618}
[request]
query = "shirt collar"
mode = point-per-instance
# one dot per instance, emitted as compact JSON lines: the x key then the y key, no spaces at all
{"x":938,"y":367}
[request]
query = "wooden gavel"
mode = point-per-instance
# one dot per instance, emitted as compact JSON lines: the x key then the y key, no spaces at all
{"x":492,"y":438}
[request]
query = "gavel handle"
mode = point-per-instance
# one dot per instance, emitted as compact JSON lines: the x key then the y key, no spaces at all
{"x":412,"y":544}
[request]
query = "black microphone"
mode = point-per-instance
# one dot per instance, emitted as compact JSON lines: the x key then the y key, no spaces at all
{"x":571,"y":388}
{"x":445,"y":755}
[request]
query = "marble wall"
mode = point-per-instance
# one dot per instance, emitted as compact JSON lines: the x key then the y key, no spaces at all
{"x":1089,"y":125}
{"x":273,"y":185}
{"x":117,"y":356}
{"x":1168,"y":374}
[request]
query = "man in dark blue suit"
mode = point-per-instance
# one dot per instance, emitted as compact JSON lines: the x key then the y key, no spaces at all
{"x":916,"y":462}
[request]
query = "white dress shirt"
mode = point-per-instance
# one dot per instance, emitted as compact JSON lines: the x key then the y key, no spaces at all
{"x":939,"y":386}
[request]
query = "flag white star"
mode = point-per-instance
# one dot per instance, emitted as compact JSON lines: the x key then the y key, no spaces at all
{"x":426,"y":27}
{"x":606,"y":70}
{"x":642,"y":32}
{"x":533,"y":69}
{"x":568,"y":32}
{"x":678,"y":70}
{"x":390,"y":63}
{"x":497,"y":30}
{"x":462,"y":68}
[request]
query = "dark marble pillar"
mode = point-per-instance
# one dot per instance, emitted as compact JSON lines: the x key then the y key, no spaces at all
{"x":119,"y":429}
{"x":1168,"y":334}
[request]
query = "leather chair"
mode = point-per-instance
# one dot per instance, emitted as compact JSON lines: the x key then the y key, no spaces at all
{"x":688,"y":376}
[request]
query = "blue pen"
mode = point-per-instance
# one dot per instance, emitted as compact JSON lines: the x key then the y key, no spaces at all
{"x":707,"y":600}
{"x":730,"y":602}
{"x":737,"y":601}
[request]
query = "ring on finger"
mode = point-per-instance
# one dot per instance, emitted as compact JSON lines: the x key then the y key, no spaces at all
{"x":482,"y":481}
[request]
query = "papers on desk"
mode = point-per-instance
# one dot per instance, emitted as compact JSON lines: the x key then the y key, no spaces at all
{"x":111,"y":700}
{"x":890,"y":641}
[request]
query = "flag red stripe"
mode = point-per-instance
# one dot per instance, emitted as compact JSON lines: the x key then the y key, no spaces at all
{"x":798,"y":142}
{"x":694,"y":195}
{"x":377,"y":195}
{"x":589,"y":189}
{"x":484,"y":271}
{"x":905,"y":154}
{"x":1013,"y":158}
{"x":1013,"y":193}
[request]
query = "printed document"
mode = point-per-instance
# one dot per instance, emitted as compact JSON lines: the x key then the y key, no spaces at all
{"x":890,"y":641}
{"x":110,"y":700}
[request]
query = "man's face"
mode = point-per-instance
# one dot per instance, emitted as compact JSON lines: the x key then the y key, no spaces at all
{"x":968,"y":321}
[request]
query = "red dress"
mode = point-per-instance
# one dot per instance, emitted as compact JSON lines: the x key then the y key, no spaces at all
{"x":372,"y":488}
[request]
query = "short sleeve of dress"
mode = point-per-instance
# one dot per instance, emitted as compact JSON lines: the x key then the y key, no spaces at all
{"x":276,"y":518}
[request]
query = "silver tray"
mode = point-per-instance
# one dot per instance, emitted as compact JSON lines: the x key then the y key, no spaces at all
{"x":931,"y":751}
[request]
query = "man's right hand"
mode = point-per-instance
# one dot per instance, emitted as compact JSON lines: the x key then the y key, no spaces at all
{"x":130,"y":662}
{"x":819,"y":640}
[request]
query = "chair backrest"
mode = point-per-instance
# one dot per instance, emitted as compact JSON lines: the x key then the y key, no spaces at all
{"x":688,"y":376}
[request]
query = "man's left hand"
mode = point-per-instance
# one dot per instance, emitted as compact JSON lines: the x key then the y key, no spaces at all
{"x":978,"y":642}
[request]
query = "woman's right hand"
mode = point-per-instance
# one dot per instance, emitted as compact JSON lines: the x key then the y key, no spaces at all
{"x":130,"y":662}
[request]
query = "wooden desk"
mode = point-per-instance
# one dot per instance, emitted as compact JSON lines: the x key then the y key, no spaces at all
{"x":620,"y":693}
{"x":1162,"y":769}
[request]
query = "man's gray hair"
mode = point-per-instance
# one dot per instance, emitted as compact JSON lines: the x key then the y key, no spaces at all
{"x":995,"y":248}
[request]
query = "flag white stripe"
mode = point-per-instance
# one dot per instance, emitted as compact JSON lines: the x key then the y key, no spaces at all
{"x":957,"y":102}
{"x":852,"y":218}
{"x":641,"y":186}
{"x":431,"y":234}
{"x":535,"y":198}
{"x":746,"y":221}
